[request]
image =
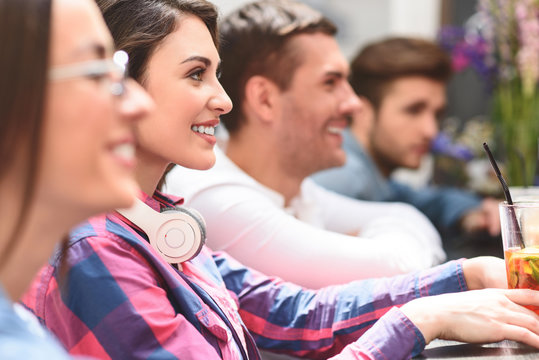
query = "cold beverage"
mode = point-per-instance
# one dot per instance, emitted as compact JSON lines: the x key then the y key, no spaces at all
{"x":522,"y":266}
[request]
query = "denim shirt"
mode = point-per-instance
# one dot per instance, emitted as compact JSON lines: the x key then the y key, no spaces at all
{"x":23,"y":337}
{"x":360,"y":178}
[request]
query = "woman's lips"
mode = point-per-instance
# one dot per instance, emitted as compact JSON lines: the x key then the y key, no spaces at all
{"x":207,"y":132}
{"x":124,"y":152}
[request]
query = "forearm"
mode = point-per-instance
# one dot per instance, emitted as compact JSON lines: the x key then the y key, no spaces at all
{"x":318,"y":323}
{"x":385,"y":223}
{"x":280,"y":245}
{"x":394,"y":337}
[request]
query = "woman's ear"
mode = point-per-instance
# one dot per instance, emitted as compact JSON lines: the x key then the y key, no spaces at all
{"x":261,"y":98}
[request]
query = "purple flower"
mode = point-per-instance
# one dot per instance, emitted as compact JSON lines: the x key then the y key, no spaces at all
{"x":500,"y":42}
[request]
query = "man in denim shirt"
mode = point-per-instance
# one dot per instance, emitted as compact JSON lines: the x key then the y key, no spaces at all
{"x":401,"y":82}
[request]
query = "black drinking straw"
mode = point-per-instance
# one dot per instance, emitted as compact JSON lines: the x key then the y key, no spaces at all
{"x":507,"y":195}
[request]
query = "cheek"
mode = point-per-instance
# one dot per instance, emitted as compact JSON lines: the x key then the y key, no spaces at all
{"x":69,"y":162}
{"x":395,"y":127}
{"x":75,"y":158}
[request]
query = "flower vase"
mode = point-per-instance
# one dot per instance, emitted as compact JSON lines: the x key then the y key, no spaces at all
{"x":517,"y":118}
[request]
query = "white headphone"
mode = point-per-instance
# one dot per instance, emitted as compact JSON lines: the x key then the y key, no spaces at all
{"x":178,"y":234}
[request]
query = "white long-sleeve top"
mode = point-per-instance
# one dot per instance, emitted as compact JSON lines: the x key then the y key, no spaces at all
{"x":307,"y":242}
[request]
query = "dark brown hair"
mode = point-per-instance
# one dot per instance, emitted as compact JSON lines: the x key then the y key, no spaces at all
{"x":139,"y":26}
{"x":378,"y":64}
{"x":24,"y":52}
{"x":255,"y":41}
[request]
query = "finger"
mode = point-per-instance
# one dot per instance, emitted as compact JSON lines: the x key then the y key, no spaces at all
{"x":494,"y":228}
{"x":493,"y":221}
{"x":521,"y":334}
{"x":522,"y":317}
{"x":523,"y":297}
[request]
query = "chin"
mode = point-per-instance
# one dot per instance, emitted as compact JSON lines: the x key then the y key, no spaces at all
{"x":339,"y":159}
{"x":124,"y":195}
{"x":201,"y":163}
{"x":411,"y":166}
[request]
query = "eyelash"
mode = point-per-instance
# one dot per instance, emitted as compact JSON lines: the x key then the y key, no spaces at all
{"x":96,"y":76}
{"x":197,"y":74}
{"x":330,"y":82}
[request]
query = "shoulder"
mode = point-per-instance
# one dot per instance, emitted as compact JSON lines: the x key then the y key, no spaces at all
{"x":22,"y":337}
{"x":101,"y":232}
{"x":187,"y":183}
{"x":225,"y":183}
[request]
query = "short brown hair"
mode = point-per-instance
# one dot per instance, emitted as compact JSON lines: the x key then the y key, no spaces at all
{"x":139,"y":26}
{"x":380,"y":63}
{"x":255,"y":41}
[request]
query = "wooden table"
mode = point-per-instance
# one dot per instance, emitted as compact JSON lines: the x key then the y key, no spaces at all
{"x":441,"y":349}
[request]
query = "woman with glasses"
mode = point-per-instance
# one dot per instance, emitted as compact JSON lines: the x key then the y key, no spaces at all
{"x":127,"y":296}
{"x":66,"y":144}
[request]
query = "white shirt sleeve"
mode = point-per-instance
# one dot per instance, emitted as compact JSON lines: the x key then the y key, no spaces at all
{"x":246,"y":223}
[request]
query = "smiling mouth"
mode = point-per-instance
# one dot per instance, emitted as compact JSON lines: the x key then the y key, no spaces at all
{"x":335,"y":130}
{"x":208,"y":130}
{"x":125,"y":152}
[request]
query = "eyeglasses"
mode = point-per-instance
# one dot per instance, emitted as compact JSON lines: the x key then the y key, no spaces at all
{"x":96,"y":69}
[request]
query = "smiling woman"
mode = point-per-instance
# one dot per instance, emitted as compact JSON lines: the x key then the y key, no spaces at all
{"x":210,"y":306}
{"x":66,"y":143}
{"x":182,"y":79}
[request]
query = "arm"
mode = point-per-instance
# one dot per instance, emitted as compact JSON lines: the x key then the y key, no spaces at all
{"x":443,"y":206}
{"x":280,"y":315}
{"x":484,"y":217}
{"x":354,"y":179}
{"x":481,"y":316}
{"x":249,"y":226}
{"x":363,"y":314}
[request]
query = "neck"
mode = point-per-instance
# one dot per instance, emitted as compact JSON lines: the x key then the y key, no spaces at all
{"x":44,"y":226}
{"x":260,"y":160}
{"x":381,"y":164}
{"x":149,"y":171}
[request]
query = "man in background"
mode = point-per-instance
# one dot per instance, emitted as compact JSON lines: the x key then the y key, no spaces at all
{"x":288,"y":80}
{"x":401,"y":82}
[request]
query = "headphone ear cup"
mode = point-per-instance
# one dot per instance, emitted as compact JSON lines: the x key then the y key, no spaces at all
{"x":198,"y":218}
{"x":180,"y":235}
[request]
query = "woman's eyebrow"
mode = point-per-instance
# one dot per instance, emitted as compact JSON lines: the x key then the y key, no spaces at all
{"x":97,"y":49}
{"x":202,"y":59}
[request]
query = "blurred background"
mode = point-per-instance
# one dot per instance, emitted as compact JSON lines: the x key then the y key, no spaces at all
{"x":467,"y":118}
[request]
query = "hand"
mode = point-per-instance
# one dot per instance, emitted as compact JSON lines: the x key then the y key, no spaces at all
{"x":479,"y":316}
{"x":485,"y":217}
{"x":485,"y":272}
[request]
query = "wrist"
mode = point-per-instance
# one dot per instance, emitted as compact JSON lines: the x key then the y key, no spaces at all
{"x":425,"y":317}
{"x":484,"y":272}
{"x":471,"y":276}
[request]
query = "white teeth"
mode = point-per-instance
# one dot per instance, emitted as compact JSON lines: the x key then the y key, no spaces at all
{"x":126,"y":151}
{"x":208,"y":130}
{"x":335,"y":130}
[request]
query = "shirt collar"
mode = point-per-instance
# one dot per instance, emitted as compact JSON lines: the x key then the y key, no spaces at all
{"x":159,"y":200}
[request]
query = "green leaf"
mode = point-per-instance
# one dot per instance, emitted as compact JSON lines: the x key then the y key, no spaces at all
{"x":534,"y":265}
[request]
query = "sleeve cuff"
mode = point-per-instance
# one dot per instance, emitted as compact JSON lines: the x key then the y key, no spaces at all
{"x":394,"y":337}
{"x":442,"y":279}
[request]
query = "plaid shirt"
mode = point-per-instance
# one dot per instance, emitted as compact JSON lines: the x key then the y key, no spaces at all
{"x":122,"y":300}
